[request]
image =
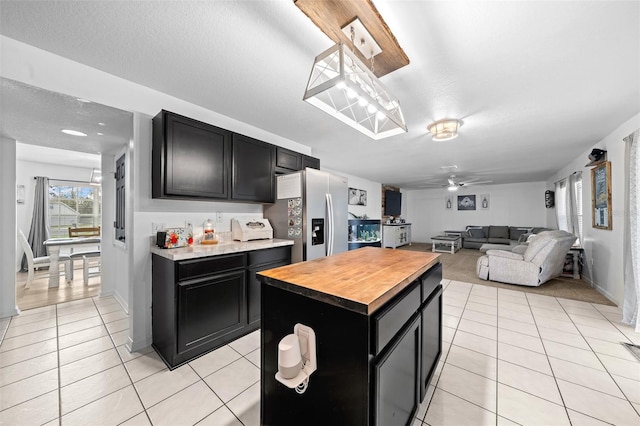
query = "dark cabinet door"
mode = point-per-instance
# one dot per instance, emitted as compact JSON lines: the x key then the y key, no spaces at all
{"x":431,"y":345}
{"x":253,"y":290}
{"x":311,"y":162}
{"x":396,"y":373}
{"x":287,"y":159}
{"x":210,"y":308}
{"x":253,"y":167}
{"x":196,"y":158}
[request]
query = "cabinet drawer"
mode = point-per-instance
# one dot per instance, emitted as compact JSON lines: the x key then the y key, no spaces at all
{"x":430,"y":280}
{"x":387,"y":324}
{"x":258,"y":257}
{"x":188,"y":269}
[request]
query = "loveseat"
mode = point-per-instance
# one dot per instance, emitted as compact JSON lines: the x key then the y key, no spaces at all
{"x":473,"y":237}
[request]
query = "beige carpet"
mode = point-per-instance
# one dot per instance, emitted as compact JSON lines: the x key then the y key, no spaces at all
{"x":461,"y":266}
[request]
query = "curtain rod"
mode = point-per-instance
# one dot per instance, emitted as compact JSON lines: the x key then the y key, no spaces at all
{"x":66,"y":180}
{"x":574,"y":173}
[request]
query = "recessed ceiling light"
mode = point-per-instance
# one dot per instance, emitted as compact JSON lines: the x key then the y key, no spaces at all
{"x":83,"y":100}
{"x":101,"y":124}
{"x":100,"y":134}
{"x":73,"y":132}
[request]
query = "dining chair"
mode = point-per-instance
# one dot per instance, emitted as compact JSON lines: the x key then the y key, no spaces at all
{"x":34,"y":263}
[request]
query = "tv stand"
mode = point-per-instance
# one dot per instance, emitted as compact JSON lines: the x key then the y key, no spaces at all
{"x":396,"y":234}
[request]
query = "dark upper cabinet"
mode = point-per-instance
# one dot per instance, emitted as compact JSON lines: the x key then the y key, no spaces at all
{"x":190,"y":158}
{"x":195,"y":160}
{"x":311,"y":162}
{"x":290,"y":161}
{"x":253,"y":167}
{"x":287,"y":159}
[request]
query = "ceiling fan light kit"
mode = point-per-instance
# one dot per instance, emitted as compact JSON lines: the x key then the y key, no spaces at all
{"x":445,"y":129}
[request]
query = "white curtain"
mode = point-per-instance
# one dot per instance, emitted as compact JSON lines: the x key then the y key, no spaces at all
{"x":632,"y":235}
{"x":567,"y":204}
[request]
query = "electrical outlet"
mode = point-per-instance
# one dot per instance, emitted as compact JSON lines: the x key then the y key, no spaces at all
{"x":157,"y":226}
{"x":219,"y":217}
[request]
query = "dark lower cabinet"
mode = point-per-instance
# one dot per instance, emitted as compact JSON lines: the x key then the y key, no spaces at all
{"x":262,"y":260}
{"x":210,"y":308}
{"x":201,"y":304}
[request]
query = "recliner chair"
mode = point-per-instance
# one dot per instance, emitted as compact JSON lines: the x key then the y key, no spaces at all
{"x":542,"y":260}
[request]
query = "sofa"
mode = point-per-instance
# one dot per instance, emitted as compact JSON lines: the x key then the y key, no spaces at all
{"x":531,"y":264}
{"x":474,"y":237}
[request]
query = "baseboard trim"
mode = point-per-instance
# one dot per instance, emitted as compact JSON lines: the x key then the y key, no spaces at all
{"x":600,"y":290}
{"x":121,"y":301}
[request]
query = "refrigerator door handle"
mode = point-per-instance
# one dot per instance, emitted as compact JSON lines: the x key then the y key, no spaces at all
{"x":329,"y":224}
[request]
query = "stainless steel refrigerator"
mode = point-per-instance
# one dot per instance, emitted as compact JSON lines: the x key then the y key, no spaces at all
{"x":311,"y":209}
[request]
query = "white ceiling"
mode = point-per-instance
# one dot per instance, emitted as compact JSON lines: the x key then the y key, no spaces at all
{"x":528,"y":78}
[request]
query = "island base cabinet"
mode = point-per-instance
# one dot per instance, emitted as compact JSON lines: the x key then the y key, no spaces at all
{"x":371,"y":369}
{"x":431,"y":338}
{"x":338,"y":390}
{"x":396,"y":374}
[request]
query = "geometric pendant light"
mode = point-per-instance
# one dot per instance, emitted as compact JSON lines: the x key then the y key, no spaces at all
{"x":342,"y":86}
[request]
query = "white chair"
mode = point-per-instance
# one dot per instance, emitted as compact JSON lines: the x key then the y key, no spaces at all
{"x":34,"y":263}
{"x":85,"y":256}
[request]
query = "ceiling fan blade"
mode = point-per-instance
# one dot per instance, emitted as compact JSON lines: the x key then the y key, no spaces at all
{"x":476,"y":183}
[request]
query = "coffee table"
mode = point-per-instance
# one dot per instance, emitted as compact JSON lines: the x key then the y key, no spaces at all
{"x":446,"y":243}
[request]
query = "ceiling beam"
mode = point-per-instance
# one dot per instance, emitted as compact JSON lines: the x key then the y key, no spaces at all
{"x":332,"y":15}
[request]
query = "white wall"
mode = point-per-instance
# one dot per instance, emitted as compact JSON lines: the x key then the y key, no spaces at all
{"x":8,"y":222}
{"x":374,"y":195}
{"x":520,"y":204}
{"x":25,"y":173}
{"x":604,"y":266}
{"x":37,"y":67}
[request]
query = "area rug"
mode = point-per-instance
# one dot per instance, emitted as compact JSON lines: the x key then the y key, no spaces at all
{"x":461,"y":266}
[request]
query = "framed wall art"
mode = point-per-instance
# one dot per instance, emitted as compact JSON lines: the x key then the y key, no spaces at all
{"x":466,"y":202}
{"x":601,"y":196}
{"x":448,"y":202}
{"x":484,"y":202}
{"x":357,"y":197}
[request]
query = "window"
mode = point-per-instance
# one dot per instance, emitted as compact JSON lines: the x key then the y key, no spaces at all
{"x":578,"y":192}
{"x":73,"y":204}
{"x":569,"y":205}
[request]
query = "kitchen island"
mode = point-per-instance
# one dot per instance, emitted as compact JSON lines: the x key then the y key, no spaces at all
{"x":377,"y":318}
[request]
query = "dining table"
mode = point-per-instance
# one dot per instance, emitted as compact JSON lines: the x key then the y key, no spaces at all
{"x":55,"y":244}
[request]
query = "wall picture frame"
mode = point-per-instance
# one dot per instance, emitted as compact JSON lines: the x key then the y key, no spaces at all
{"x":448,"y":202}
{"x":357,"y":197}
{"x":484,"y":202}
{"x":466,"y":202}
{"x":601,"y":217}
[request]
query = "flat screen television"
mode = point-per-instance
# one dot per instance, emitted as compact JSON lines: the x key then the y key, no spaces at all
{"x":392,"y":203}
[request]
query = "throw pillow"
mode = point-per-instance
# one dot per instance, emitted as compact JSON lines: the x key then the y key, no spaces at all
{"x":476,"y":233}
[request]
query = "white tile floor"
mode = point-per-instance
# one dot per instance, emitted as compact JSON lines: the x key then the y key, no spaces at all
{"x":508,"y":358}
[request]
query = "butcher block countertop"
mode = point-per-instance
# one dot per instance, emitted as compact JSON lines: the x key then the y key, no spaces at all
{"x":360,"y":280}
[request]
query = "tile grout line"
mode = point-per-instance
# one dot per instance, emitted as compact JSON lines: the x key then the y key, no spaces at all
{"x":122,"y":364}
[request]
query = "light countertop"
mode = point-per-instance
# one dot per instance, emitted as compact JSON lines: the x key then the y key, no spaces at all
{"x":227,"y":247}
{"x":360,"y":280}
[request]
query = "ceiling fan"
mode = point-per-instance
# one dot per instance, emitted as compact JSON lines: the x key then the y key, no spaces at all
{"x":453,"y":184}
